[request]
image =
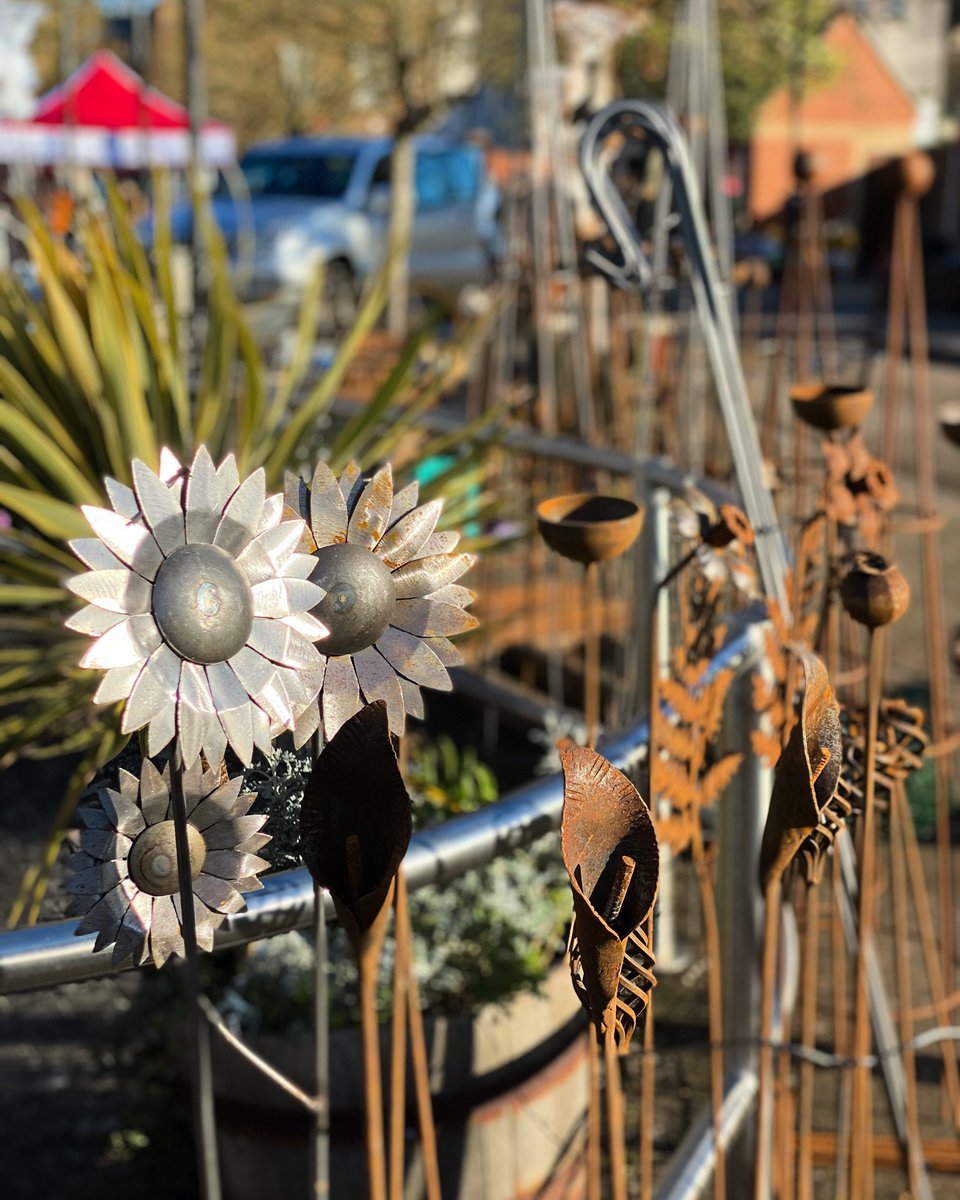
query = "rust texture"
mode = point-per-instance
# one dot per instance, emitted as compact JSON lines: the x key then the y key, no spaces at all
{"x":807,"y":774}
{"x":612,"y":857}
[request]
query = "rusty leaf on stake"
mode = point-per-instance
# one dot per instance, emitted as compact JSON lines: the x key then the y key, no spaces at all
{"x":611,"y":855}
{"x":807,"y":774}
{"x":355,"y":823}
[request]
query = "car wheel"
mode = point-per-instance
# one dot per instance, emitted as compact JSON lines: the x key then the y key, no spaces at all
{"x":339,"y":297}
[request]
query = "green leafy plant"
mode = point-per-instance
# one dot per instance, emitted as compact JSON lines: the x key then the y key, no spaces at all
{"x":478,"y":939}
{"x":97,"y":371}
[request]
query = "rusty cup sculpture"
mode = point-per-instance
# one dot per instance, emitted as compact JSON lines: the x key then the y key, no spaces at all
{"x":830,"y":406}
{"x":590,"y":529}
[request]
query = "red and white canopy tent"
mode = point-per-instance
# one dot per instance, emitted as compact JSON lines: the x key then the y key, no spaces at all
{"x":104,"y":115}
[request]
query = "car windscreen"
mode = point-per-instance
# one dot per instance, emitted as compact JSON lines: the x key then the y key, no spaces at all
{"x":323,"y":176}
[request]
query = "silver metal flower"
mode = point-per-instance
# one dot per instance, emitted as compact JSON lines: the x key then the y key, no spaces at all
{"x":723,"y":535}
{"x":125,"y":874}
{"x":199,"y":603}
{"x":391,"y":600}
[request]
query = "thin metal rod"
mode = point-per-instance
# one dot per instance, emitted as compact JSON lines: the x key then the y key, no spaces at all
{"x":219,"y":1026}
{"x":594,"y":1120}
{"x":901,"y":926}
{"x":320,"y":1145}
{"x":398,"y":1040}
{"x":421,"y":1072}
{"x":861,"y":1172}
{"x":808,"y":1037}
{"x":771,"y":929}
{"x":204,"y":1116}
{"x":320,"y":1142}
{"x":648,"y":1083}
{"x":592,"y":626}
{"x":372,"y":1082}
{"x":711,"y":930}
{"x":616,"y":1129}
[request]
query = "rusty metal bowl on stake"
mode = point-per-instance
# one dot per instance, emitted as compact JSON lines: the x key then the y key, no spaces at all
{"x":830,"y":406}
{"x":950,"y":421}
{"x":589,"y":528}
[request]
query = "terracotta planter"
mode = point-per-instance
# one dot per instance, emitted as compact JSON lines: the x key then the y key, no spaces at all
{"x":830,"y":406}
{"x":510,"y":1097}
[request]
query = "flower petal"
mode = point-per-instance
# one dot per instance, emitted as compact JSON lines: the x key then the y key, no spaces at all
{"x":443,"y":542}
{"x":241,"y":516}
{"x":218,"y":805}
{"x":194,"y":705}
{"x":156,"y":687}
{"x":229,"y":479}
{"x":170,"y":467}
{"x":280,"y":598}
{"x":232,"y":864}
{"x":453,"y":593}
{"x":134,"y":928}
{"x":327,"y":508}
{"x":132,"y":641}
{"x":351,"y":484}
{"x":412,"y":698}
{"x":233,"y":705}
{"x":93,"y":621}
{"x":164,"y":931}
{"x":129,"y":539}
{"x":160,"y":731}
{"x":341,"y":694}
{"x":405,"y":539}
{"x":160,"y":509}
{"x":270,"y":551}
{"x":203,"y":503}
{"x":117,"y":684}
{"x":109,"y":911}
{"x":261,"y":729}
{"x":403,"y":502}
{"x":229,"y":834}
{"x":252,"y":669}
{"x":446,"y":651}
{"x":372,"y":511}
{"x":426,"y":575}
{"x":281,"y":644}
{"x":308,"y":722}
{"x":413,"y":658}
{"x":272,"y":513}
{"x":378,"y":681}
{"x":119,"y":591}
{"x":218,"y":894}
{"x":430,"y":618}
{"x":94,"y":554}
{"x":124,"y":814}
{"x":121,"y":497}
{"x":154,"y":794}
{"x":307,"y":626}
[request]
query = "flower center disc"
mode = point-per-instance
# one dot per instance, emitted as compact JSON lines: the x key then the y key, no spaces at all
{"x":202,"y":603}
{"x":360,"y":597}
{"x":153,"y":858}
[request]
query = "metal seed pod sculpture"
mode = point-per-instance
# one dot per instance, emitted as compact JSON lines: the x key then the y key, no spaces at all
{"x":355,"y":826}
{"x":613,"y":860}
{"x":806,"y":776}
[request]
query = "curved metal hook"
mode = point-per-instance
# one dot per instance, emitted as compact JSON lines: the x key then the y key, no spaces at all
{"x":712,"y":300}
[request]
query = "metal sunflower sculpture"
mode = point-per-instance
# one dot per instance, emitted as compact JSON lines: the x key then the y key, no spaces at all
{"x":199,"y":603}
{"x":125,"y":873}
{"x":391,"y":599}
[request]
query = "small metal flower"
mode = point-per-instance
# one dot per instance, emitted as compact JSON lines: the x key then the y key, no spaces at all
{"x":391,"y":598}
{"x":723,"y":535}
{"x":198,"y":601}
{"x":125,"y":873}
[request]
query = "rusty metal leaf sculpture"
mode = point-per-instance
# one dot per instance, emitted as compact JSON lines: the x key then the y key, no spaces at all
{"x":807,"y":774}
{"x":613,"y":860}
{"x":355,"y":823}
